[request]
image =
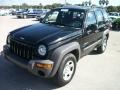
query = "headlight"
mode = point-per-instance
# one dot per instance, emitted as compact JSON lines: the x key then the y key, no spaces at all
{"x":8,"y":39}
{"x":42,"y":50}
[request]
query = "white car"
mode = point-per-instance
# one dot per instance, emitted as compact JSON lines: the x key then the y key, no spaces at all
{"x":4,"y":12}
{"x":114,"y":15}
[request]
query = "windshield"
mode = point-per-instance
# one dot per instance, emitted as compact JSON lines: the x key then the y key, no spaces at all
{"x":65,"y":17}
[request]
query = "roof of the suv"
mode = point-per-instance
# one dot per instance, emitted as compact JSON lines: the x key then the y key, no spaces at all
{"x":80,"y":7}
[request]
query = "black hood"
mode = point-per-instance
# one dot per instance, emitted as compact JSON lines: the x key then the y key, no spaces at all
{"x":38,"y":33}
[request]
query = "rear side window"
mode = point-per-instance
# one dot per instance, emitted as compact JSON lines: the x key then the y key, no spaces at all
{"x":105,"y":14}
{"x":91,"y":19}
{"x":99,"y":17}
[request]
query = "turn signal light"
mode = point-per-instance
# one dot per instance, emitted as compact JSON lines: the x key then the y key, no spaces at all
{"x":45,"y":66}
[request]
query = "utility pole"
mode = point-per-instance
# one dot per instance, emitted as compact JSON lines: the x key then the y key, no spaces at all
{"x":65,"y":2}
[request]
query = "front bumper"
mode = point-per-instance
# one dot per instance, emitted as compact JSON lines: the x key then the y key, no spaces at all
{"x":29,"y":65}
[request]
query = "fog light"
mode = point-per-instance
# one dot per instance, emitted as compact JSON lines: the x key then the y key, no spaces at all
{"x":45,"y":66}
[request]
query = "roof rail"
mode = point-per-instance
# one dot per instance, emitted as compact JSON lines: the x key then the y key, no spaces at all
{"x":97,"y":7}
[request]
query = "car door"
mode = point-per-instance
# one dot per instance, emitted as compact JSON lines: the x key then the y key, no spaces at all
{"x":100,"y":23}
{"x":89,"y":32}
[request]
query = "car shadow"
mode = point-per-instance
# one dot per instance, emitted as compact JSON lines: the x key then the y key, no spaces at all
{"x":17,"y":18}
{"x":94,"y":52}
{"x":16,"y":78}
{"x":20,"y":18}
{"x":115,"y":30}
{"x":35,"y":20}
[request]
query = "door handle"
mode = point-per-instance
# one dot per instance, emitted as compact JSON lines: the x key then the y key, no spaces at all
{"x":96,"y":31}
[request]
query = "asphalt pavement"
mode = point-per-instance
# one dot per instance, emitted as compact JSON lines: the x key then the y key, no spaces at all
{"x":94,"y":71}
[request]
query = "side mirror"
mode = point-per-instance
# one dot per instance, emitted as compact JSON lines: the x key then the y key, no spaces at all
{"x":91,"y":27}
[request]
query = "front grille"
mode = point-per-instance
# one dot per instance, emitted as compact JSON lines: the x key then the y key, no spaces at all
{"x":21,"y":50}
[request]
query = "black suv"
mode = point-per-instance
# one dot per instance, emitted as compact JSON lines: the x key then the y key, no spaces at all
{"x":53,"y":47}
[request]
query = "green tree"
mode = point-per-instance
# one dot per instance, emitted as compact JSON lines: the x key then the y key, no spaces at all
{"x":40,"y":5}
{"x":112,"y":9}
{"x":118,"y":8}
{"x":15,"y":6}
{"x":24,"y":6}
{"x":55,"y":5}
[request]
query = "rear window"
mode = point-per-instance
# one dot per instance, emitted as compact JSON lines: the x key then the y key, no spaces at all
{"x":90,"y":18}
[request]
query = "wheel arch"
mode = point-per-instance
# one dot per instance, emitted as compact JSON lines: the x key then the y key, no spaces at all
{"x":107,"y":35}
{"x":76,"y":53}
{"x":59,"y":53}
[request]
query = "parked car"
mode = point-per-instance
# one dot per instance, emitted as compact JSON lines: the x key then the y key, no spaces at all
{"x":21,"y":13}
{"x":33,"y":13}
{"x":12,"y":11}
{"x":4,"y":12}
{"x":40,"y":16}
{"x":114,"y":15}
{"x":112,"y":19}
{"x":53,"y":47}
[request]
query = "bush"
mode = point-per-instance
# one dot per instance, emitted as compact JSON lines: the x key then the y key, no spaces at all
{"x":116,"y":24}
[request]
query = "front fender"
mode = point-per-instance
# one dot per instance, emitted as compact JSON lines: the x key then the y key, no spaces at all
{"x":60,"y":52}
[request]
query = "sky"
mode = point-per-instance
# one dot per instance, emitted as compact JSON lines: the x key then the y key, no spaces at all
{"x":45,"y":2}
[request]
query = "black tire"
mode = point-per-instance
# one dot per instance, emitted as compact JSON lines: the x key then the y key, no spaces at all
{"x":18,"y":17}
{"x":102,"y":47}
{"x":59,"y":77}
{"x":24,"y":16}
